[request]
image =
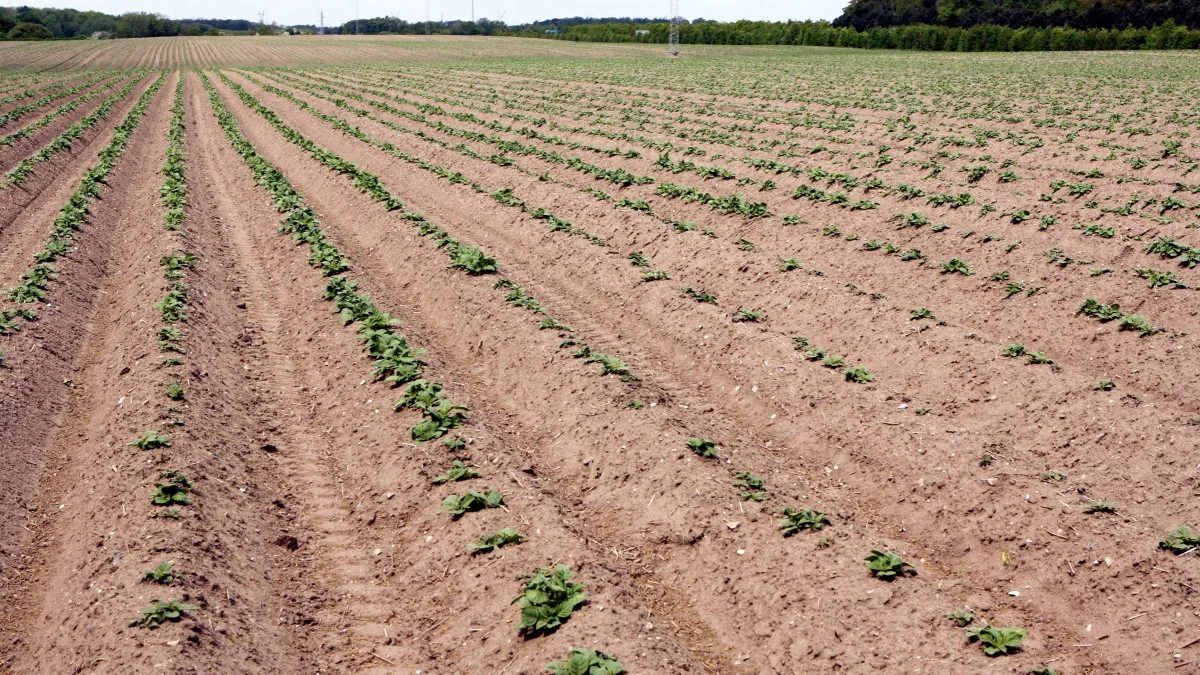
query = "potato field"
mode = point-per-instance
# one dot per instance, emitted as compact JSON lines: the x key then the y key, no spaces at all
{"x":490,"y":355}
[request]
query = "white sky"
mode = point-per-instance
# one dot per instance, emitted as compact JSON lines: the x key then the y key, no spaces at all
{"x":510,"y":11}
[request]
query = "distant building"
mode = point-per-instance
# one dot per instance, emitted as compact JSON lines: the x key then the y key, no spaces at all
{"x":552,"y":31}
{"x":641,"y":32}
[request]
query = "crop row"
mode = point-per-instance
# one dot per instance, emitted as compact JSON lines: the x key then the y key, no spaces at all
{"x":63,"y":141}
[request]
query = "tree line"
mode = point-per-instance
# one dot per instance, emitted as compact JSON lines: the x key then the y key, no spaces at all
{"x":926,"y":37}
{"x":1082,"y":14}
{"x":36,"y":23}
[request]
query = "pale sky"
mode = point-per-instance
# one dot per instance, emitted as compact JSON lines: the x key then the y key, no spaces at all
{"x":510,"y":11}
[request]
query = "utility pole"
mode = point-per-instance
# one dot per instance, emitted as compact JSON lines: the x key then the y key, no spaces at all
{"x":426,"y":18}
{"x":472,"y":11}
{"x":673,"y":39}
{"x":322,"y":21}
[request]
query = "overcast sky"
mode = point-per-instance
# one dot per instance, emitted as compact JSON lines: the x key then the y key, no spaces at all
{"x":510,"y":11}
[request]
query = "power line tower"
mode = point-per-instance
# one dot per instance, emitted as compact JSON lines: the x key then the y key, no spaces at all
{"x":673,"y":39}
{"x":322,"y":21}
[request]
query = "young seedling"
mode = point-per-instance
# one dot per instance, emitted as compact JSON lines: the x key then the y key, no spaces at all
{"x":703,"y":447}
{"x":1040,"y":358}
{"x":1053,"y":476}
{"x":745,"y":244}
{"x":805,"y":519}
{"x":169,"y":494}
{"x":160,"y":612}
{"x":656,"y":275}
{"x":457,"y":505}
{"x":957,"y":266}
{"x":457,"y":471}
{"x":833,"y":361}
{"x":454,"y":443}
{"x":638,"y":259}
{"x":1104,"y":385}
{"x":789,"y":264}
{"x":754,"y":488}
{"x":859,"y":375}
{"x":1099,"y":506}
{"x":175,"y":391}
{"x":887,"y":566}
{"x":961,"y":617}
{"x":473,"y":261}
{"x":996,"y":641}
{"x":150,"y":440}
{"x":1138,"y":323}
{"x":1180,"y":540}
{"x":586,"y":662}
{"x":1014,"y":350}
{"x":548,"y":600}
{"x":497,"y":539}
{"x":700,"y":296}
{"x":748,"y":315}
{"x":921,"y":313}
{"x":636,"y":404}
{"x":554,"y":324}
{"x":164,"y":574}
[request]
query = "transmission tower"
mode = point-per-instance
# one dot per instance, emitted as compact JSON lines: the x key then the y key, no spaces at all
{"x":322,"y":21}
{"x":673,"y":39}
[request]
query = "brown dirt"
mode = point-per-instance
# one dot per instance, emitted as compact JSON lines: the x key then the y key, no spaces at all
{"x":317,"y":543}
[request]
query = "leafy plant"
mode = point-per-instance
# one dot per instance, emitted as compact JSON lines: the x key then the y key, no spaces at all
{"x":150,"y":440}
{"x":887,"y":566}
{"x":175,"y":391}
{"x":859,"y":375}
{"x":789,"y":264}
{"x":497,"y":539}
{"x":586,"y":662}
{"x":703,"y":447}
{"x":957,"y":266}
{"x":996,"y":641}
{"x":473,"y":261}
{"x":1014,"y":350}
{"x":1099,"y":506}
{"x":805,"y":519}
{"x":921,"y":313}
{"x":160,"y":612}
{"x":656,"y":275}
{"x":1180,"y":540}
{"x":163,"y":573}
{"x":961,"y":617}
{"x":754,"y":488}
{"x":1040,"y":358}
{"x":457,"y":505}
{"x":700,"y":296}
{"x":457,"y":471}
{"x":169,"y":494}
{"x":746,"y":314}
{"x":1104,"y":385}
{"x":548,"y":600}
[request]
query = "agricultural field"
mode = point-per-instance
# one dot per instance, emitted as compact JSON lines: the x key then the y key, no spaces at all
{"x":455,"y":355}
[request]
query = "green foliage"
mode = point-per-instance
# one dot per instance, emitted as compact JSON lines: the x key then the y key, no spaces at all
{"x":150,"y":440}
{"x":961,"y":617}
{"x":887,"y":566}
{"x":921,"y":313}
{"x":996,"y":641}
{"x":1180,"y":540}
{"x":753,"y":488}
{"x":700,"y":296}
{"x":160,"y":612}
{"x":1014,"y":350}
{"x":1099,"y":506}
{"x":805,"y":519}
{"x":169,"y":494}
{"x":548,"y":600}
{"x":586,"y":662}
{"x":859,"y":375}
{"x":1104,"y":385}
{"x":746,"y":314}
{"x":175,"y":391}
{"x":457,"y":505}
{"x":457,"y":471}
{"x":957,"y":266}
{"x":473,"y":261}
{"x":703,"y":447}
{"x":497,"y":539}
{"x":163,"y":574}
